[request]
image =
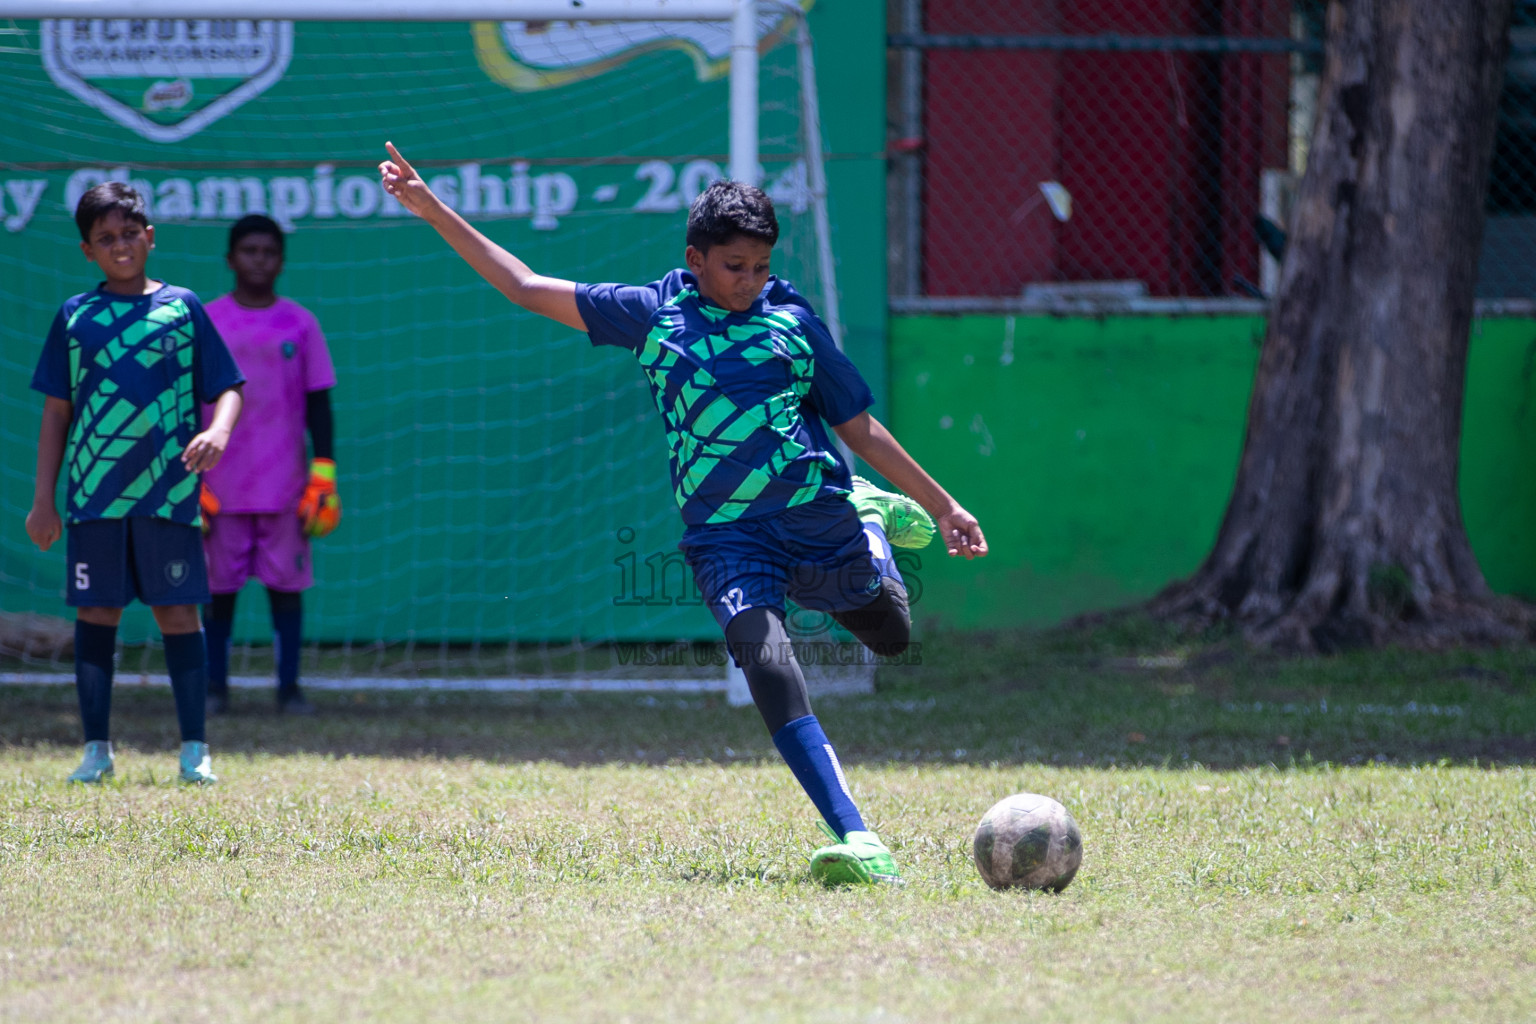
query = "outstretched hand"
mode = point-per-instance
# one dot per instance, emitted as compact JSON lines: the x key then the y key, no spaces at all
{"x":401,"y":181}
{"x":44,"y":526}
{"x":962,"y":534}
{"x":205,"y":450}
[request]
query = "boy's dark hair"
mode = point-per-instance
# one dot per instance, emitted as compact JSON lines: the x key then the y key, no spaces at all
{"x":255,"y":224}
{"x":102,"y":200}
{"x":730,"y":208}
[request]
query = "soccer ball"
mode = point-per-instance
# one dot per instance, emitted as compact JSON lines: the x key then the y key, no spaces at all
{"x":1027,"y":841}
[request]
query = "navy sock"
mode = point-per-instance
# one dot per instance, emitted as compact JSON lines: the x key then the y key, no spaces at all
{"x":95,"y":649}
{"x":287,"y":624}
{"x":217,"y":632}
{"x":809,"y":755}
{"x":187,"y":661}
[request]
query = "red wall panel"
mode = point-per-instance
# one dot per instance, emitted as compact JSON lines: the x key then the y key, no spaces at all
{"x":990,"y":140}
{"x":1162,"y":152}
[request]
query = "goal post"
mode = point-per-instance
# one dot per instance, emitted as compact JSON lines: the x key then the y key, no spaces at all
{"x":383,"y":10}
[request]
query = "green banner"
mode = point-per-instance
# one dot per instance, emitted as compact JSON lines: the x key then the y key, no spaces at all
{"x":500,"y":478}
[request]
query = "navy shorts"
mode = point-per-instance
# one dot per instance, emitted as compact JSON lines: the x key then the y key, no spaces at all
{"x":819,"y":555}
{"x":113,"y":561}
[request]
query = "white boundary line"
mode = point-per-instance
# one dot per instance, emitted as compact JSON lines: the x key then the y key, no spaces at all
{"x":507,"y":685}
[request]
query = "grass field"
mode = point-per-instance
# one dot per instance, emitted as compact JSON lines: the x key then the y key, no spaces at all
{"x":1338,"y":840}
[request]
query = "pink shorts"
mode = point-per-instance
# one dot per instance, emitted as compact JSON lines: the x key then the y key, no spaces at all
{"x":270,"y":546}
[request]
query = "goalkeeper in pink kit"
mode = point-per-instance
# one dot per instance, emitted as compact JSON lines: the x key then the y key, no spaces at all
{"x":267,"y":499}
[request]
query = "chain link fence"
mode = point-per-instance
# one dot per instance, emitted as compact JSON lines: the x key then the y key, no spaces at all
{"x":1063,"y":152}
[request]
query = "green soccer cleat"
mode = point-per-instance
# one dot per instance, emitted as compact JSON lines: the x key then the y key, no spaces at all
{"x":859,"y":858}
{"x":97,"y":764}
{"x":906,"y":523}
{"x":196,"y":764}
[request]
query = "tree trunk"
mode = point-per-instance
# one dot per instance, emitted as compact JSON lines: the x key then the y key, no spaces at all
{"x":1345,"y":525}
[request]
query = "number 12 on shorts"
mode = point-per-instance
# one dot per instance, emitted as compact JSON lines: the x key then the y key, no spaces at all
{"x":82,"y":576}
{"x":735,"y":601}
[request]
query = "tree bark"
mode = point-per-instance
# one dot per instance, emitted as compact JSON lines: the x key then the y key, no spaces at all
{"x":1344,"y":525}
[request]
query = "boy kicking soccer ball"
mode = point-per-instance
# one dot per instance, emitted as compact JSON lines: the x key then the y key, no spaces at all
{"x":746,"y":378}
{"x":124,"y":369}
{"x":261,"y":505}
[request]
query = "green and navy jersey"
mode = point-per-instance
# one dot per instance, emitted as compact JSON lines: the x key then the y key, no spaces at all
{"x":745,"y":397}
{"x":134,"y":368}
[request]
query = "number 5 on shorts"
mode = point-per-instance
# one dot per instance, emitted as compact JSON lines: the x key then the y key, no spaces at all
{"x":82,"y":576}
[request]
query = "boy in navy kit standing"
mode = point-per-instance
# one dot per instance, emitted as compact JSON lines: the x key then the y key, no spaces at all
{"x":124,"y":368}
{"x":747,"y":380}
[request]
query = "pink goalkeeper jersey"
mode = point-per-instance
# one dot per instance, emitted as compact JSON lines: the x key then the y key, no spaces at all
{"x":282,"y":353}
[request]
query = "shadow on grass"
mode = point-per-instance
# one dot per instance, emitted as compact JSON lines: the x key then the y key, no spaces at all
{"x":1125,"y":694}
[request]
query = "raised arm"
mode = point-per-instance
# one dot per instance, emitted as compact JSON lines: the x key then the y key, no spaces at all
{"x":870,"y":441}
{"x":546,"y":296}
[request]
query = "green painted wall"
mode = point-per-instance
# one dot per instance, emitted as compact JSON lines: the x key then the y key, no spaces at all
{"x":1099,"y":454}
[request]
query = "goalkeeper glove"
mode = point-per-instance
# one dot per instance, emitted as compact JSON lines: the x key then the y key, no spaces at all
{"x":320,"y":508}
{"x":208,"y":504}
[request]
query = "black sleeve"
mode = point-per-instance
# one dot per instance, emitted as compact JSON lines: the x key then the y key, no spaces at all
{"x":317,"y":417}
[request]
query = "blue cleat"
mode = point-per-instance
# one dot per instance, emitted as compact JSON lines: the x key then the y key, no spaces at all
{"x":97,"y":764}
{"x":196,"y":764}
